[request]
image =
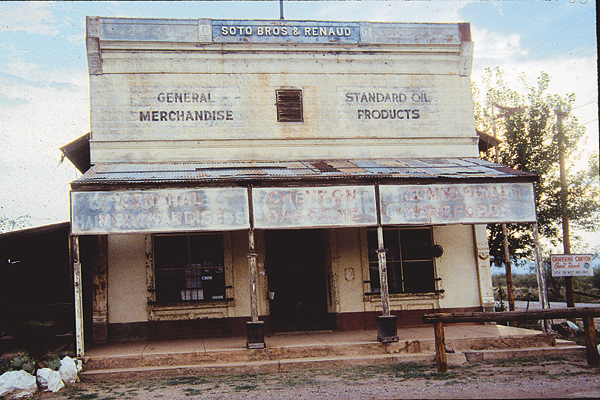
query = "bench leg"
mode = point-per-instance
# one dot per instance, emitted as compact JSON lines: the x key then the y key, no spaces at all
{"x":440,"y":347}
{"x":590,"y":341}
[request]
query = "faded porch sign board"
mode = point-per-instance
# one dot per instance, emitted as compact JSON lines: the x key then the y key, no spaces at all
{"x":456,"y":203}
{"x":164,"y":210}
{"x":312,"y":207}
{"x":572,"y":265}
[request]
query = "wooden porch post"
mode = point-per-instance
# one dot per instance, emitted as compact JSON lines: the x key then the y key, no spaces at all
{"x":253,"y":277}
{"x":541,"y":276}
{"x":78,"y":292}
{"x":589,"y":327}
{"x":100,"y":293}
{"x":387,"y":330}
{"x":383,"y":278}
{"x":255,"y":329}
{"x":441,"y":358}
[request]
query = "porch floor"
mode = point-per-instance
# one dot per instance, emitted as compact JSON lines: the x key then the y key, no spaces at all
{"x":301,"y":338}
{"x":314,"y":349}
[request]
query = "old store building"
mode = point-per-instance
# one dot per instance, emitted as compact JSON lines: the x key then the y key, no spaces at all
{"x":283,"y":175}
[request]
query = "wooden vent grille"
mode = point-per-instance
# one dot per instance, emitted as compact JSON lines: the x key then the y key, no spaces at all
{"x":289,"y":105}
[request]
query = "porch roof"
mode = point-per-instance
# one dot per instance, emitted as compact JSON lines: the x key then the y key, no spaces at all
{"x":226,"y":173}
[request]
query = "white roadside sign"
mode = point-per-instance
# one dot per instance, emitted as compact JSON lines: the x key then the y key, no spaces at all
{"x":571,"y":265}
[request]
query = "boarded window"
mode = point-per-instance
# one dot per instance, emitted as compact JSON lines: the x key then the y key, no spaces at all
{"x":189,"y":267}
{"x":409,"y":259}
{"x":289,"y":105}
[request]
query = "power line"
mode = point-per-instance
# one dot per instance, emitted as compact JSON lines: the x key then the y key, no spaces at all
{"x":582,"y":51}
{"x":589,"y":122}
{"x":583,"y":105}
{"x":545,"y":41}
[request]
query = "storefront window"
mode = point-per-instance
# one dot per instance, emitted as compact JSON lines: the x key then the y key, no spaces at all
{"x":409,"y":259}
{"x":189,"y":267}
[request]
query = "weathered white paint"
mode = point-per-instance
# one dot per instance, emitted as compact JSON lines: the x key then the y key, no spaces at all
{"x":457,"y":266}
{"x":137,"y":66}
{"x":127,"y":294}
{"x":241,"y":274}
{"x":314,"y":206}
{"x":165,"y":210}
{"x":347,"y":270}
{"x":454,"y":203}
{"x":417,"y":73}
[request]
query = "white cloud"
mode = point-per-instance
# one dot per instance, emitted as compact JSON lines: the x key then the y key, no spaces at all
{"x":495,"y":46}
{"x":34,"y":73}
{"x":77,"y":39}
{"x":31,"y":17}
{"x":396,"y":11}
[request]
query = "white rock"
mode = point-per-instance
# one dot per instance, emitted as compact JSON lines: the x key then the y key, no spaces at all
{"x":573,"y":326}
{"x":49,"y":380}
{"x":68,"y":370}
{"x":17,"y":385}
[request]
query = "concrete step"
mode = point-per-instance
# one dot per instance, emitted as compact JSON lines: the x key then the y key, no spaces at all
{"x":292,"y":351}
{"x":290,"y":357}
{"x":286,"y":365}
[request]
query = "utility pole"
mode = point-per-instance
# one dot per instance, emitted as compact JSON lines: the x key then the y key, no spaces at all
{"x":508,"y":269}
{"x":564,"y":201}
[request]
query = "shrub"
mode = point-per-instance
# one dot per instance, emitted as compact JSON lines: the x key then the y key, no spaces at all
{"x":23,"y":362}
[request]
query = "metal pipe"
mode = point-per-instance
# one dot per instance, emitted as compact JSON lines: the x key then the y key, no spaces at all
{"x":78,"y":292}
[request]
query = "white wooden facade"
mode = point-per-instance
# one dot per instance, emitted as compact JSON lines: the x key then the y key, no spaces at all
{"x":168,"y":93}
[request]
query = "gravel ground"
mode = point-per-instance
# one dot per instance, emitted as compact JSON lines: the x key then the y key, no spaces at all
{"x":556,"y":377}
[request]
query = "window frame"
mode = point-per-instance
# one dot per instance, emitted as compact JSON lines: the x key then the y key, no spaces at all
{"x":372,"y":265}
{"x":226,"y":291}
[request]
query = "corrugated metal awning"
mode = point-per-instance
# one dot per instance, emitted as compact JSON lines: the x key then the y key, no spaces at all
{"x":173,"y":197}
{"x":426,"y":169}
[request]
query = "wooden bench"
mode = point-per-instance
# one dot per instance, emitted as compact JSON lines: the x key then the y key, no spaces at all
{"x":586,"y":313}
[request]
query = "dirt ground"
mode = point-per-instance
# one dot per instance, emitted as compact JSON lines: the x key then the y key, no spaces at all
{"x":557,"y":377}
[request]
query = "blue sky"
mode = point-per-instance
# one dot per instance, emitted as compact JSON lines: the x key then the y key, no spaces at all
{"x":44,"y":100}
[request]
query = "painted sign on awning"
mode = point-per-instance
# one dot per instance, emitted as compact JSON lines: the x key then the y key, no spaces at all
{"x":168,"y":210}
{"x":308,"y":207}
{"x":571,"y":265}
{"x":457,"y":203}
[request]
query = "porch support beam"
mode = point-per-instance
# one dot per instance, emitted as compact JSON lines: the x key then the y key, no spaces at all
{"x":387,"y":330}
{"x":383,"y":278}
{"x":253,"y":277}
{"x":78,"y":293}
{"x":541,"y":275}
{"x":100,"y":293}
{"x":255,"y":329}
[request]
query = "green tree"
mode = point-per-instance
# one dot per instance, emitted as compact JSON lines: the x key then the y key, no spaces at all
{"x":530,"y":143}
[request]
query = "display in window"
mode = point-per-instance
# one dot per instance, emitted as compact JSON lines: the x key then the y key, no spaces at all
{"x":189,"y":267}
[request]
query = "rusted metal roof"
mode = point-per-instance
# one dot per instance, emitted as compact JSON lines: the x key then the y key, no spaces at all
{"x":227,"y":172}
